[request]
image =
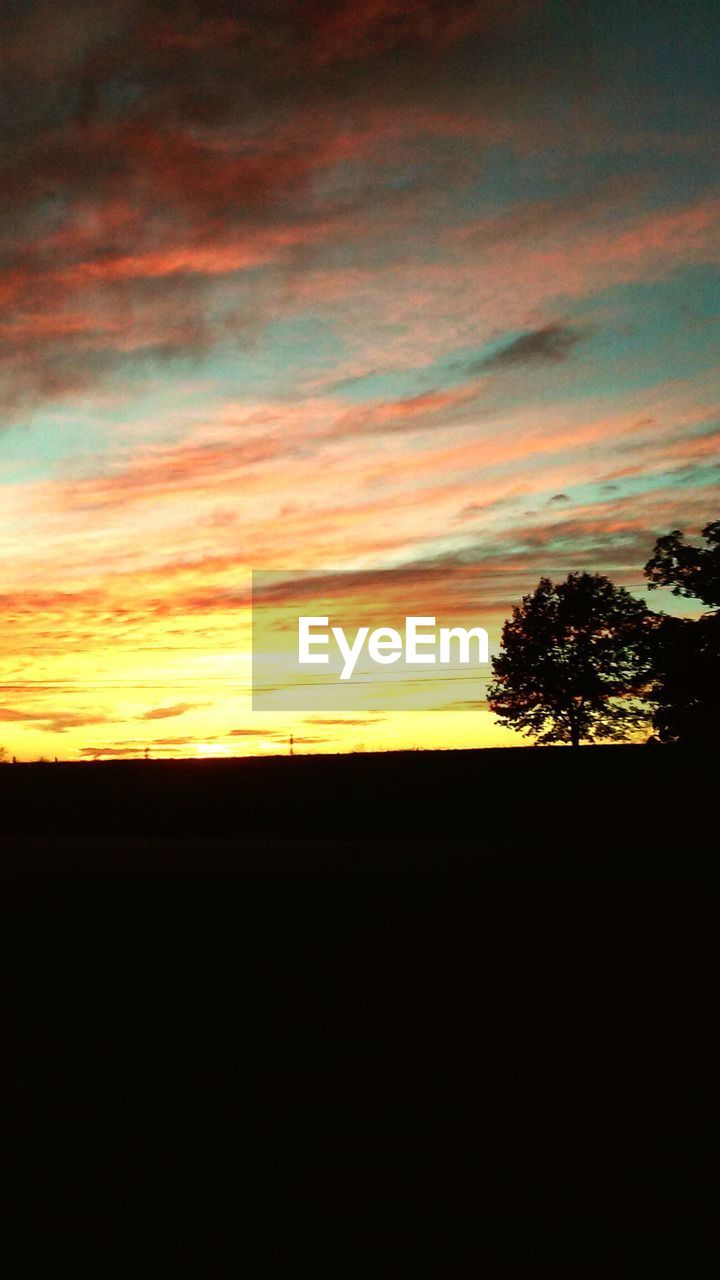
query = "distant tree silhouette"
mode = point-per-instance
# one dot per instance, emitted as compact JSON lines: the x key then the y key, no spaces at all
{"x":687,"y":651}
{"x":688,"y":570}
{"x":574,"y":661}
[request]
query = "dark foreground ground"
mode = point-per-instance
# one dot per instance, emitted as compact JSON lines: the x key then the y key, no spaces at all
{"x":447,"y":1013}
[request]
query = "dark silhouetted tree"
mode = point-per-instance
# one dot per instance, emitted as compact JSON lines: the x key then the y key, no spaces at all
{"x":687,"y":651}
{"x":574,"y":660}
{"x":688,"y":570}
{"x":687,"y":672}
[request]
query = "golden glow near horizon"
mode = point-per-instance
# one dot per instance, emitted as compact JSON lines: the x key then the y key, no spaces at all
{"x":94,"y":674}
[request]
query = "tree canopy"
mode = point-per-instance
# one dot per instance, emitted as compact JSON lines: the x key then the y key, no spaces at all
{"x":688,"y":570}
{"x":686,"y":667}
{"x":686,"y":658}
{"x":575,"y":657}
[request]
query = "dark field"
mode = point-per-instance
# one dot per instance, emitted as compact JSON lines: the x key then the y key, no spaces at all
{"x":451,"y":1013}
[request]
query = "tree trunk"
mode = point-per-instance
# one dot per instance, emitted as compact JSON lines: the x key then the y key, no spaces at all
{"x":574,"y":735}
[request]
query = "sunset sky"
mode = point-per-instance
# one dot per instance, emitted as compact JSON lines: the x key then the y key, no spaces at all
{"x":333,"y":284}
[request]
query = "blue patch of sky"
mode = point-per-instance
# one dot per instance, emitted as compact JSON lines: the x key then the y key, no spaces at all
{"x":283,"y":354}
{"x":654,"y":64}
{"x":166,"y":397}
{"x":648,"y":333}
{"x":663,"y":44}
{"x":631,"y":336}
{"x":695,"y":476}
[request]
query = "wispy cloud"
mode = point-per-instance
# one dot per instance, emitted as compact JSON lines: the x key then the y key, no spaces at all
{"x":552,"y":343}
{"x":169,"y":713}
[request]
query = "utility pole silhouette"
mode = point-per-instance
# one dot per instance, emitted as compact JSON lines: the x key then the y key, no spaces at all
{"x":292,"y":745}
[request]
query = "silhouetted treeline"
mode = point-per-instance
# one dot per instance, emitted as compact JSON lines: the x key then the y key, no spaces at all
{"x":686,"y":652}
{"x":583,"y":659}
